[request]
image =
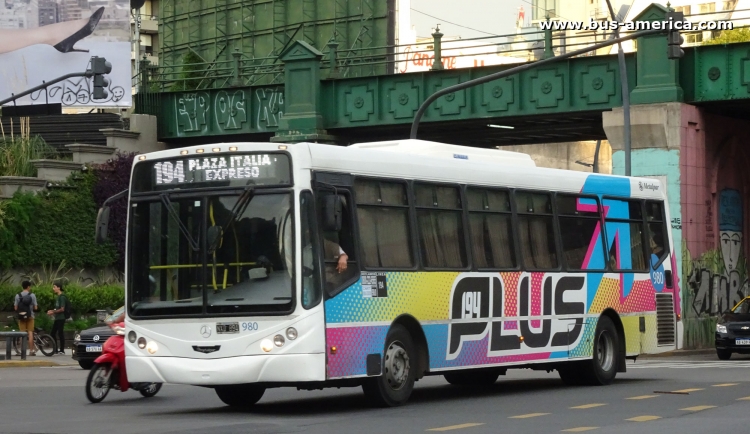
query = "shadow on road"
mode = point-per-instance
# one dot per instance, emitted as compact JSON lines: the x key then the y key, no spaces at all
{"x":307,"y":405}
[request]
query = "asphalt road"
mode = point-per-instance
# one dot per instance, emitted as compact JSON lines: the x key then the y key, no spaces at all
{"x":707,"y":396}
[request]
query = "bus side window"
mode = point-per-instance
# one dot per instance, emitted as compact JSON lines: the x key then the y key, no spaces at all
{"x":339,"y":254}
{"x":383,"y":217}
{"x":625,"y":234}
{"x":440,"y":223}
{"x":536,"y":232}
{"x":311,"y":293}
{"x":657,"y":234}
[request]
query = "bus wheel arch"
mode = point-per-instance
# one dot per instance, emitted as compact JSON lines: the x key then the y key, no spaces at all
{"x":420,"y":342}
{"x":621,"y":366}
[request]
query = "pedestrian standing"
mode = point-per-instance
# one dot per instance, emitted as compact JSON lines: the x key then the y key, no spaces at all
{"x":59,"y":312}
{"x":25,"y":304}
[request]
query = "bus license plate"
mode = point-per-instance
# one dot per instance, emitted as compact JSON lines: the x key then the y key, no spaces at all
{"x":742,"y":342}
{"x":227,"y":327}
{"x":93,"y":348}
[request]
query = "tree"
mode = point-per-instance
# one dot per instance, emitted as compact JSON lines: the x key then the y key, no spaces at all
{"x":730,"y":37}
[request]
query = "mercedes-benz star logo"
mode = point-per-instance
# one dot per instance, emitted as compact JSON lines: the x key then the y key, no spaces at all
{"x":205,"y":331}
{"x":96,"y":338}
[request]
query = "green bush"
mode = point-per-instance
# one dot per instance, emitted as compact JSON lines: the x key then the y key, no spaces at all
{"x":83,"y":300}
{"x":62,"y":228}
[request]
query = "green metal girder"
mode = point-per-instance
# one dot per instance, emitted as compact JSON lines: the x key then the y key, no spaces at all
{"x":707,"y":73}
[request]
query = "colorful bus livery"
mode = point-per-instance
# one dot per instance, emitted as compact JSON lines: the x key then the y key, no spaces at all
{"x":379,"y":263}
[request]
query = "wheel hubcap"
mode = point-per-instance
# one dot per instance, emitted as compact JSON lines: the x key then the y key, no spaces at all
{"x":396,"y":365}
{"x":605,"y":351}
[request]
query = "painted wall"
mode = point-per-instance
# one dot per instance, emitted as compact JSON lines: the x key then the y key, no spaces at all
{"x":707,"y":188}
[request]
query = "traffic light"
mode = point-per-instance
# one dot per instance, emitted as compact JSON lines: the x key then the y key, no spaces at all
{"x":674,"y":38}
{"x":99,"y":67}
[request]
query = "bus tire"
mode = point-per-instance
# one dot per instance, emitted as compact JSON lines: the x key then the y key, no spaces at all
{"x":472,"y":378}
{"x":602,"y":367}
{"x":396,"y":382}
{"x":242,"y":396}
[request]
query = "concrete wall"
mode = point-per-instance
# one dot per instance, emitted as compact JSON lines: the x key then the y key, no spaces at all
{"x":565,"y":155}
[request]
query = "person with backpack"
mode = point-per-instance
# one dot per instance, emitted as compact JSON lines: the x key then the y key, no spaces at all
{"x":25,"y":305}
{"x":61,"y":313}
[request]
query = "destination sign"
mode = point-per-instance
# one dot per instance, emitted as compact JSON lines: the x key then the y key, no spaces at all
{"x":214,"y":170}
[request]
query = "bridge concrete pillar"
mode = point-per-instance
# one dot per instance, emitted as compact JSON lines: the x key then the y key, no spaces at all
{"x":702,"y":158}
{"x":303,"y":119}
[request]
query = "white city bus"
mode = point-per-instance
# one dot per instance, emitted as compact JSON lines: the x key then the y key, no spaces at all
{"x":258,"y":265}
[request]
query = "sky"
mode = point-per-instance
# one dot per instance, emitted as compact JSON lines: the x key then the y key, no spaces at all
{"x":490,"y":16}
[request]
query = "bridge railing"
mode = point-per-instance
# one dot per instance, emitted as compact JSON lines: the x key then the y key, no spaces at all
{"x":427,"y":54}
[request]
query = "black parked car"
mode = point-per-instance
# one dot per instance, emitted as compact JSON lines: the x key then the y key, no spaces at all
{"x":87,"y":345}
{"x":733,"y":331}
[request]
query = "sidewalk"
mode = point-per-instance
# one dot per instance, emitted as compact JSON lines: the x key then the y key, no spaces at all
{"x":40,"y":360}
{"x":680,"y":353}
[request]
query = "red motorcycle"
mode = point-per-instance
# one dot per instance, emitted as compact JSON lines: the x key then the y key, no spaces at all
{"x":108,"y":371}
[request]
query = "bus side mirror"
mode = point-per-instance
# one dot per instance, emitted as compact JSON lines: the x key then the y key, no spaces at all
{"x":102,"y":225}
{"x":332,"y":212}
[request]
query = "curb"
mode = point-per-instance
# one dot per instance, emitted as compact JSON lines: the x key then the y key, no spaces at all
{"x":27,"y":363}
{"x":681,"y":353}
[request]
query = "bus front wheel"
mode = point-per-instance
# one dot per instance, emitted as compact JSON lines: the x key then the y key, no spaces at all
{"x":240,"y":396}
{"x":396,"y":382}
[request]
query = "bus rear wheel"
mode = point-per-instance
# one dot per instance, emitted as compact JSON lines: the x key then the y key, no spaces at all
{"x":472,"y":378}
{"x":396,"y":382}
{"x":602,"y":368}
{"x":241,"y":396}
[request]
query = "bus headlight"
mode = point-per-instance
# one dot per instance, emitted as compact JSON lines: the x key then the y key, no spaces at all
{"x":141,"y":342}
{"x":266,"y":345}
{"x":720,"y":328}
{"x":152,"y":347}
{"x":291,"y":333}
{"x":131,"y":336}
{"x":278,"y":340}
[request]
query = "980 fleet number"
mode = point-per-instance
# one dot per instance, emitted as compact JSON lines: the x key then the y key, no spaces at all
{"x":249,"y":326}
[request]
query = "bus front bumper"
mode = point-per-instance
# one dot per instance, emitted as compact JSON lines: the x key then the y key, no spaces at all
{"x":292,"y":368}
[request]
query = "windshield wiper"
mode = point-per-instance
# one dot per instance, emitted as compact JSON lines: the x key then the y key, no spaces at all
{"x":240,"y":206}
{"x":168,"y":203}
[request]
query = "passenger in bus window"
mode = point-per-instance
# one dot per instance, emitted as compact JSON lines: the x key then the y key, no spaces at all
{"x":657,"y":245}
{"x":334,"y":252}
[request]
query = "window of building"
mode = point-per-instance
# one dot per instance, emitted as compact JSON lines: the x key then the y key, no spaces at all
{"x":707,"y":7}
{"x":729,"y":5}
{"x":694,"y":38}
{"x":383,"y":215}
{"x":439,"y":219}
{"x":684,"y":9}
{"x":536,"y":233}
{"x":580,"y":229}
{"x":491,"y":228}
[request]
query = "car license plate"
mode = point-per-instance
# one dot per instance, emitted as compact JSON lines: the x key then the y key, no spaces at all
{"x":742,"y":342}
{"x":227,"y":327}
{"x":93,"y":348}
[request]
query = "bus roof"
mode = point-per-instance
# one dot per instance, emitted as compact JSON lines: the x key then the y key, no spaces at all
{"x":446,"y":151}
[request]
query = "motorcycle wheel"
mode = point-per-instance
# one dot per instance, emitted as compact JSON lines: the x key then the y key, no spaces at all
{"x":98,"y":382}
{"x":150,"y":390}
{"x":46,"y":344}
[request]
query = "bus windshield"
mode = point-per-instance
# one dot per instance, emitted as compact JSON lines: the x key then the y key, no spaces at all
{"x":211,"y":254}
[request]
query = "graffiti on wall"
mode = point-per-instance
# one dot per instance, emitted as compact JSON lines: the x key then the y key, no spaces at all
{"x":717,"y":280}
{"x":229,"y":111}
